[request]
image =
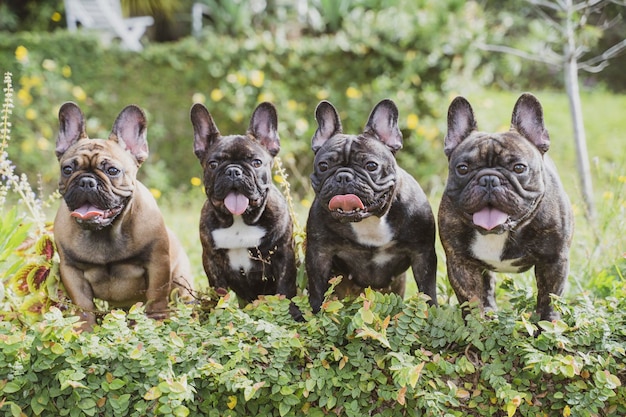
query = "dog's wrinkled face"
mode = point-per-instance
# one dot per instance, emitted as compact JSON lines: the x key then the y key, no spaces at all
{"x":237,"y":174}
{"x":496,"y":180}
{"x":94,"y":184}
{"x":497,"y":187}
{"x":237,"y":168}
{"x":97,"y":176}
{"x":355,"y":175}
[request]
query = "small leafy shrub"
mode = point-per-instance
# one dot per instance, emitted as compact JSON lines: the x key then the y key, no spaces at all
{"x":29,"y":283}
{"x":377,"y":355}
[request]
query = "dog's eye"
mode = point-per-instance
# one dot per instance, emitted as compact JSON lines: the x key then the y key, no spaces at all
{"x":371,"y":166}
{"x":323,"y":166}
{"x":257,"y":163}
{"x":519,"y":168}
{"x":113,"y":172}
{"x":212,"y":164}
{"x":67,"y":170}
{"x":462,"y":169}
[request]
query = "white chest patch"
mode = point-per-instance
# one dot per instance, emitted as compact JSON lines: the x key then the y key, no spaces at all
{"x":489,"y":248}
{"x":237,"y":239}
{"x":373,"y":231}
{"x":381,"y":257}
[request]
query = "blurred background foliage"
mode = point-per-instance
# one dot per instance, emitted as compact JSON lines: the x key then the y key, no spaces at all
{"x":354,"y":53}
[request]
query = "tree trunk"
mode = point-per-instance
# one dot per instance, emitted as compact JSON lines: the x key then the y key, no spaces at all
{"x":582,"y":156}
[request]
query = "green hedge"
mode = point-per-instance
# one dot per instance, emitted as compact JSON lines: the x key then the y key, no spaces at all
{"x":376,"y":356}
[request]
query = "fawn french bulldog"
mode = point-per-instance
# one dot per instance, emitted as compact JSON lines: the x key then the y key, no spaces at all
{"x":111,"y":237}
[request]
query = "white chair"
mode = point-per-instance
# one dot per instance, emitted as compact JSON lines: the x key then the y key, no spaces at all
{"x":198,"y":11}
{"x":105,"y":16}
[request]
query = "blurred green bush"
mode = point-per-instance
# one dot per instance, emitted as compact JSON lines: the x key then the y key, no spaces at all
{"x":377,"y":54}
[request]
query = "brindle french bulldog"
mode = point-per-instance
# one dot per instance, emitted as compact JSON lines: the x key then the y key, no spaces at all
{"x":245,"y":226}
{"x":504,"y":208}
{"x":370,"y":220}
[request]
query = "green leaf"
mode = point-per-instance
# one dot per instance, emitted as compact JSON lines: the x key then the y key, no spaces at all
{"x":116,"y":384}
{"x":11,"y":387}
{"x":181,"y":411}
{"x":283,"y":408}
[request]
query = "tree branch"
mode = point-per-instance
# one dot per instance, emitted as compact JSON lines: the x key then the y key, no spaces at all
{"x":546,"y":4}
{"x":519,"y":53}
{"x":612,"y":52}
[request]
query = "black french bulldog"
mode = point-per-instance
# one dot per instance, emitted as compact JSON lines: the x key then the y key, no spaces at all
{"x":504,"y":208}
{"x":245,"y":226}
{"x":370,"y":220}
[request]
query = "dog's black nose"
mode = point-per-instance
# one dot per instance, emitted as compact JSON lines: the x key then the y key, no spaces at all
{"x":233,"y":172}
{"x":88,"y":183}
{"x":344,"y":177}
{"x":489,"y":181}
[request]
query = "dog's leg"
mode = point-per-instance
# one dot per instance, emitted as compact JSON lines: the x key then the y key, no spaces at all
{"x":424,"y":268}
{"x":81,"y":294}
{"x":551,"y":279}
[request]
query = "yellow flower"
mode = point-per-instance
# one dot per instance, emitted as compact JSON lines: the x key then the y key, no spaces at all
{"x":155,"y":193}
{"x":24,"y":96}
{"x":66,"y":71}
{"x":201,"y":98}
{"x":43,"y":144}
{"x":21,"y":54}
{"x":432,"y":133}
{"x":27,"y":146}
{"x":292,"y":104}
{"x":79,"y":93}
{"x":217,"y":94}
{"x":608,"y":195}
{"x":30,"y":114}
{"x":354,"y":93}
{"x":412,"y":121}
{"x":305,"y":203}
{"x":265,"y":96}
{"x":196,"y":182}
{"x":322,"y":95}
{"x":278,"y":179}
{"x":257,"y":78}
{"x":56,"y":17}
{"x":621,"y":178}
{"x":241,"y":78}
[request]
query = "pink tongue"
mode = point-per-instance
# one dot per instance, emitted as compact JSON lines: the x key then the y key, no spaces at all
{"x":489,"y":217}
{"x":236,"y":203}
{"x":346,"y":202}
{"x":87,"y":212}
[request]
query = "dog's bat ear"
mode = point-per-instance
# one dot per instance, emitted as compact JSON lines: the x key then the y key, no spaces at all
{"x":264,"y":127}
{"x":328,"y":124}
{"x":205,"y":130}
{"x":461,"y":123}
{"x":71,"y":127}
{"x":383,"y":123}
{"x":527,"y":119}
{"x":130,"y":130}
